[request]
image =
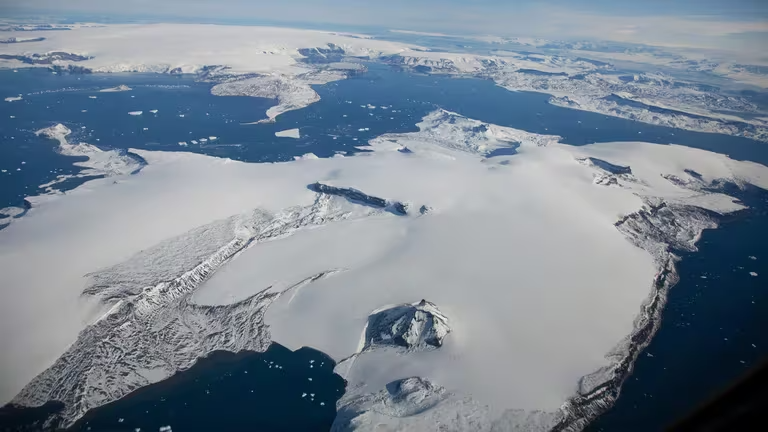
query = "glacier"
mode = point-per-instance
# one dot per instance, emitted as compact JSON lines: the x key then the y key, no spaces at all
{"x":195,"y":254}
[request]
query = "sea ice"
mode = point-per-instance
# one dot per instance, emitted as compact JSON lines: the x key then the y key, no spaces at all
{"x":120,"y":88}
{"x":289,"y":133}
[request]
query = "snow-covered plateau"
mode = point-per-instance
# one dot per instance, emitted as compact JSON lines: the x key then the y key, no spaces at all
{"x":270,"y":59}
{"x":477,"y":293}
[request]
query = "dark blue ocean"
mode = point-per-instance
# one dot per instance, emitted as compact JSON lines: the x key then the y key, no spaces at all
{"x":711,"y":330}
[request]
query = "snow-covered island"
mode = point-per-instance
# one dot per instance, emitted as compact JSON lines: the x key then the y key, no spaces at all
{"x":230,"y":255}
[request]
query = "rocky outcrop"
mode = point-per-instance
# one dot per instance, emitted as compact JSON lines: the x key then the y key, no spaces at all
{"x":421,"y":64}
{"x":331,"y":53}
{"x":358,"y":197}
{"x":415,"y":327}
{"x":606,"y":166}
{"x":608,"y":174}
{"x":663,"y":230}
{"x":45,"y":59}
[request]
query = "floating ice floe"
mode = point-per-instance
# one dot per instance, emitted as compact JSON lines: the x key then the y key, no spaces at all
{"x":212,"y":138}
{"x":154,"y":111}
{"x":181,"y":115}
{"x":753,"y":273}
{"x":91,"y":97}
{"x":13,"y":98}
{"x":136,"y":113}
{"x":289,"y":133}
{"x":120,"y":88}
{"x":306,"y":156}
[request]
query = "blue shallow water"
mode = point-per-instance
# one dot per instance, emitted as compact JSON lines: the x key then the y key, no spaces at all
{"x":691,"y":358}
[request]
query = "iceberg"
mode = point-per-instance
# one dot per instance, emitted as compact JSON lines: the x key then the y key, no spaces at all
{"x":120,"y":88}
{"x":289,"y":133}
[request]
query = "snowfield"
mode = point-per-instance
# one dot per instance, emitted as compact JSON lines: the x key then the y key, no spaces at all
{"x":187,"y":48}
{"x":481,"y":292}
{"x":229,"y":53}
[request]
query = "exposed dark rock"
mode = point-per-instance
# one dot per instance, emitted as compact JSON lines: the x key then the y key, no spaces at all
{"x":416,"y":326}
{"x":606,"y":166}
{"x":47,"y":58}
{"x":356,"y":196}
{"x":17,"y":40}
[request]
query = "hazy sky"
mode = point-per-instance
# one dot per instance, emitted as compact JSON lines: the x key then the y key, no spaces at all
{"x":700,"y":23}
